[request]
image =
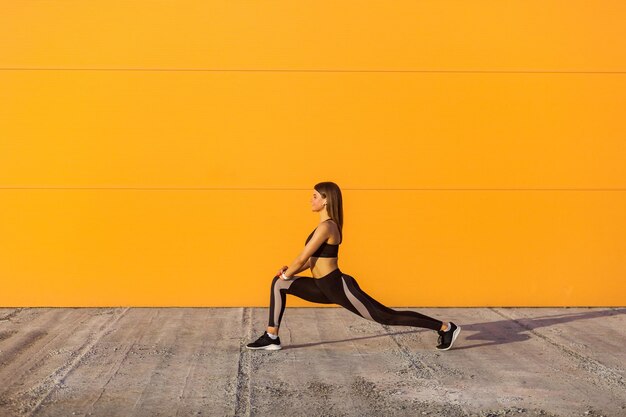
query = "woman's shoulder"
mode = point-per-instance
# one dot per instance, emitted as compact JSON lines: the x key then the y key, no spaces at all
{"x":331,"y":226}
{"x":328,"y":224}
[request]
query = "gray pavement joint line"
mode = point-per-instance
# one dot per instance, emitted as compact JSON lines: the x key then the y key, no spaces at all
{"x":342,"y":317}
{"x":595,"y":368}
{"x":193,"y":364}
{"x":406,"y":353}
{"x":59,"y":375}
{"x":123,"y":358}
{"x":163,"y":334}
{"x":290,"y":355}
{"x":242,"y":382}
{"x":12,"y":314}
{"x":286,"y":325}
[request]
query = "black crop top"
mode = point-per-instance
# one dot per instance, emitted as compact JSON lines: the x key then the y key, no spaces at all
{"x":326,"y":250}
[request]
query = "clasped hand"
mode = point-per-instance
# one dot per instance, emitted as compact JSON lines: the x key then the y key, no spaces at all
{"x":281,"y":271}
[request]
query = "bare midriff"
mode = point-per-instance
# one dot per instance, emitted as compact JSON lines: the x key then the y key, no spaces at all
{"x":322,"y":266}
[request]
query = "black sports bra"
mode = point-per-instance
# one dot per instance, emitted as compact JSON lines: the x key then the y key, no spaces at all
{"x":326,"y":250}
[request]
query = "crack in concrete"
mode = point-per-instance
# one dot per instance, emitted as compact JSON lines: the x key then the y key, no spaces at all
{"x":352,"y":342}
{"x":595,"y":368}
{"x":405,"y":352}
{"x":285,"y":324}
{"x":11,"y":314}
{"x":429,"y":370}
{"x":145,"y":386}
{"x":192,"y":367}
{"x":242,"y":385}
{"x":123,"y":358}
{"x":59,"y":375}
{"x":33,"y":362}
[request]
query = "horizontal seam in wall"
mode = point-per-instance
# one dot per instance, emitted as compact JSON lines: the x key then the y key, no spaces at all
{"x":318,"y":70}
{"x":304,"y":189}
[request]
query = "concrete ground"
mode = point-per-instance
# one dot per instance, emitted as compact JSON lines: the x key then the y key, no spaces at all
{"x":193,"y":362}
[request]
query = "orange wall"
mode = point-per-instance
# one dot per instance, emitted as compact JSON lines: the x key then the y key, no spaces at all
{"x":164,"y":153}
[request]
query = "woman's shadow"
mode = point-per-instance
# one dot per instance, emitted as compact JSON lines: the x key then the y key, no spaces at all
{"x":518,"y":329}
{"x":492,"y":333}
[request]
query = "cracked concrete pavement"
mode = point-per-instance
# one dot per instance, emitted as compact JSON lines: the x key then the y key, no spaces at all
{"x":193,"y":361}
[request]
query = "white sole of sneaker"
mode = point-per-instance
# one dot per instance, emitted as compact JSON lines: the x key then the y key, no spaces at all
{"x":454,"y":336}
{"x":268,"y":347}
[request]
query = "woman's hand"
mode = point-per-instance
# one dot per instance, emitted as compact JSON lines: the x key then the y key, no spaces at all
{"x":281,"y":270}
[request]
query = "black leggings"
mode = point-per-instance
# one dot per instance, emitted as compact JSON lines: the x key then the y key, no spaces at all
{"x":342,"y":289}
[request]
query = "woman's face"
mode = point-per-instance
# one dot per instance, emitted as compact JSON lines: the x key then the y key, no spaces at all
{"x":317,"y":202}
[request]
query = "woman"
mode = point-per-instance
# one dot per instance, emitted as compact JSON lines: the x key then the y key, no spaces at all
{"x":329,"y":285}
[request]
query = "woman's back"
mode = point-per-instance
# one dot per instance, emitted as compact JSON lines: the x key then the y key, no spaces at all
{"x":324,"y":259}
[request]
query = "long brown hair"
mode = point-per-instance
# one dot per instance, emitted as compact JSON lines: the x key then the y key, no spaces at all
{"x":334,"y":203}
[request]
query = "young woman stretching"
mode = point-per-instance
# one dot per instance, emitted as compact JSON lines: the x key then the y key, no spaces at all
{"x":329,"y":285}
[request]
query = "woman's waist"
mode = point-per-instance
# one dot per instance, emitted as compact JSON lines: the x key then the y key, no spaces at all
{"x":321,"y":268}
{"x":335,"y":273}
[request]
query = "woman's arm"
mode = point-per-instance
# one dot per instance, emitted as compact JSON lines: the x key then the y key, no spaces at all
{"x":306,"y":266}
{"x":320,"y":235}
{"x":297,"y":266}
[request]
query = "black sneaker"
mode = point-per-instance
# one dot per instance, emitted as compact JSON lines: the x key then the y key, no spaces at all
{"x":265,"y":342}
{"x":446,"y":339}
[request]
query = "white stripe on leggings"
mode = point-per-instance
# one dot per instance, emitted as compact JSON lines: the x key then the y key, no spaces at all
{"x":279,"y":285}
{"x":356,"y":302}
